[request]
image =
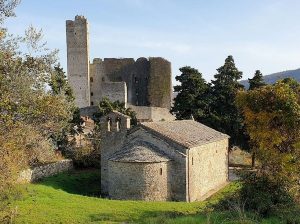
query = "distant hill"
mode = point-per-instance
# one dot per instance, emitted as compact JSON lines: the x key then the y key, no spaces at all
{"x":272,"y":78}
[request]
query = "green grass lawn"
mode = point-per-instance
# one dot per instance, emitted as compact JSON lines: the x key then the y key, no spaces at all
{"x":74,"y":198}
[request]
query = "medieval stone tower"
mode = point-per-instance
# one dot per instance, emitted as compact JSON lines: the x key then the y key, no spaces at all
{"x":142,"y":82}
{"x":78,"y":59}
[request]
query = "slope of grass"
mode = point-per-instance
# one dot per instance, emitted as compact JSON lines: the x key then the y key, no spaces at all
{"x":74,"y":198}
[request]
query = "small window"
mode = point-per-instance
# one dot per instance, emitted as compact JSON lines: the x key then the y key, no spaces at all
{"x":103,"y":79}
{"x":91,"y":79}
{"x":160,"y":171}
{"x":92,"y":103}
{"x":136,"y":80}
{"x":92,"y":94}
{"x":192,"y":160}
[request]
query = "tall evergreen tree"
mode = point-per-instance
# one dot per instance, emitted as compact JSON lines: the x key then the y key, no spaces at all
{"x":257,"y":81}
{"x":224,"y":114}
{"x":192,"y":98}
{"x":59,"y":83}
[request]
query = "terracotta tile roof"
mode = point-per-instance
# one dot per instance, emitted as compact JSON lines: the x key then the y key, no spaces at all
{"x":139,"y":152}
{"x":187,"y":133}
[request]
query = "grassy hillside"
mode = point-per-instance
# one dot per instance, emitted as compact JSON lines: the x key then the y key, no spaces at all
{"x":73,"y":198}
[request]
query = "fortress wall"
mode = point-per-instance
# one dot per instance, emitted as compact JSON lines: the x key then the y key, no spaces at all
{"x":115,"y":91}
{"x":160,"y":83}
{"x":96,"y":77}
{"x":152,"y":113}
{"x":114,"y":65}
{"x":139,"y":80}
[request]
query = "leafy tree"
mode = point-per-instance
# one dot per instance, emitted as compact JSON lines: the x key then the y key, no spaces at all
{"x":257,"y":81}
{"x":224,"y":114}
{"x":272,"y":117}
{"x":29,"y":115}
{"x":193,"y":95}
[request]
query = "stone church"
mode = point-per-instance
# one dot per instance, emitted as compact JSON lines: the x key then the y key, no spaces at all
{"x":160,"y":159}
{"x":179,"y":160}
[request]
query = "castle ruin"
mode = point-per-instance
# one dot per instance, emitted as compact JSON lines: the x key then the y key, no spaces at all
{"x":142,"y":82}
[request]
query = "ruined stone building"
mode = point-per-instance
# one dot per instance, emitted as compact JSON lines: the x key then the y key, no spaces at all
{"x":161,"y":161}
{"x":143,"y":82}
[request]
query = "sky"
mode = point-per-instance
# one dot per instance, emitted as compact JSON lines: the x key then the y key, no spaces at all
{"x":260,"y":34}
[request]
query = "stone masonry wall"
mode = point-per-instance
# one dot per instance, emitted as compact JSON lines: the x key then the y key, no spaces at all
{"x":78,"y":59}
{"x":160,"y":83}
{"x":115,"y":91}
{"x":152,"y":113}
{"x":96,"y":80}
{"x":208,"y":169}
{"x":139,"y":181}
{"x":40,"y":172}
{"x":177,"y":168}
{"x":112,"y":141}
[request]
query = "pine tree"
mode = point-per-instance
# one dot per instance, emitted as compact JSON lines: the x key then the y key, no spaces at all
{"x":192,"y":98}
{"x":257,"y":81}
{"x":59,"y":84}
{"x":224,"y":114}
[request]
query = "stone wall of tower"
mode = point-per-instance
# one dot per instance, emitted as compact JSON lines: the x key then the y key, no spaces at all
{"x":97,"y":77}
{"x":160,"y":83}
{"x":78,"y":59}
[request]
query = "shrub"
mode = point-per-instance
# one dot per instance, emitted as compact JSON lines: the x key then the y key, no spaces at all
{"x":262,"y":195}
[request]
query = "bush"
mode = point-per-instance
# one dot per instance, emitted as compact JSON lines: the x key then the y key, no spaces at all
{"x":262,"y":195}
{"x":84,"y":156}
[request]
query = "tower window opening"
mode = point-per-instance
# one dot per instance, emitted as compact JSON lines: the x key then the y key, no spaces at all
{"x":192,"y":160}
{"x":136,"y":80}
{"x":91,"y":79}
{"x":103,"y":79}
{"x":92,"y":103}
{"x":92,"y":94}
{"x":160,"y":171}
